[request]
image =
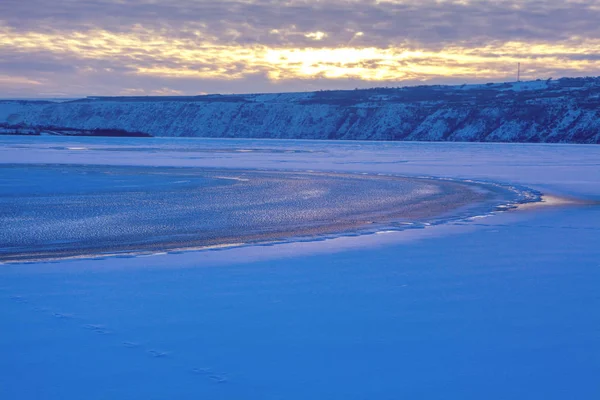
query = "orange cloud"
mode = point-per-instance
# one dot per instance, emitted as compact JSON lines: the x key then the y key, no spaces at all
{"x":194,"y":55}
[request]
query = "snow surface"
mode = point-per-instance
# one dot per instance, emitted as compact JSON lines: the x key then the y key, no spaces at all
{"x":502,"y":307}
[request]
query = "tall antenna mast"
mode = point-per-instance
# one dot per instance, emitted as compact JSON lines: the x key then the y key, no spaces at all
{"x":519,"y":72}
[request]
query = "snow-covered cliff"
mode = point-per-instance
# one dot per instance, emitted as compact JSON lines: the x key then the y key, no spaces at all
{"x":565,"y":110}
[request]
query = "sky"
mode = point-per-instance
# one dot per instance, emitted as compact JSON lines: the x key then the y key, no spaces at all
{"x":72,"y":48}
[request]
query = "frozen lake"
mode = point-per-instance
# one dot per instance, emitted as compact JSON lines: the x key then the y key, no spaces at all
{"x":489,"y":305}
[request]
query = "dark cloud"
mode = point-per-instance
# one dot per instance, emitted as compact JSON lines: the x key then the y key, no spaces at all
{"x":426,"y":22}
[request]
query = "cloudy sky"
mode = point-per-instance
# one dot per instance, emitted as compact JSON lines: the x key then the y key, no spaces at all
{"x":158,"y":47}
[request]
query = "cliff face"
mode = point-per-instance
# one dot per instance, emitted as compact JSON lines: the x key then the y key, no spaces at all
{"x":565,"y":110}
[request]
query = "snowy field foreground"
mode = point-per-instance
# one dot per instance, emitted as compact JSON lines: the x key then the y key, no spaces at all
{"x":497,"y":305}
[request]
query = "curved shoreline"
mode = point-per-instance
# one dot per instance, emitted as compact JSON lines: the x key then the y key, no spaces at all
{"x":248,"y":207}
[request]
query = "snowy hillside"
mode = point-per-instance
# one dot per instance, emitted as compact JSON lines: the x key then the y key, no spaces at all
{"x":565,"y":110}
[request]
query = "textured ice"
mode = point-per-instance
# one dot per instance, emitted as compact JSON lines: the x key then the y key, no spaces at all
{"x":52,"y":211}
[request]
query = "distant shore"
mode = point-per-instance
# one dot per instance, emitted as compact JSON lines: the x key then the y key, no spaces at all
{"x":25,"y":130}
{"x":543,"y":111}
